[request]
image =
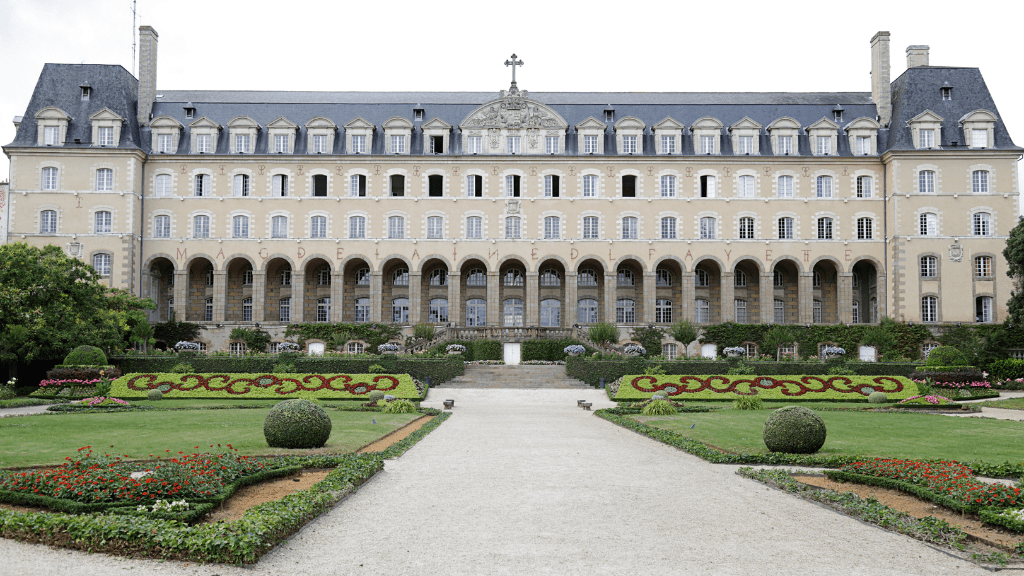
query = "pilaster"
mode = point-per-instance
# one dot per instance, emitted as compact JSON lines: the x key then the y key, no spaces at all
{"x":844,"y":294}
{"x":610,"y":296}
{"x":649,"y":296}
{"x":298,"y":311}
{"x":259,"y":294}
{"x":181,"y":295}
{"x":532,"y":304}
{"x":767,"y":298}
{"x":804,"y":297}
{"x":455,"y":299}
{"x":415,"y":297}
{"x":376,"y":288}
{"x":337,"y":295}
{"x":220,"y":285}
{"x":493,"y":304}
{"x":728,"y":292}
{"x":571,"y":300}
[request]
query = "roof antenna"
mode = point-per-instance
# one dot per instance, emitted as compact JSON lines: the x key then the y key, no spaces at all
{"x":133,"y":37}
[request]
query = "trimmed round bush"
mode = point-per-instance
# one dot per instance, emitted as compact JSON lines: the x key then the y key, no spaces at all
{"x":154,"y":395}
{"x":297,"y":423}
{"x":946,"y":356}
{"x":877,"y":398}
{"x":794,"y":430}
{"x":375,"y":396}
{"x":86,"y":356}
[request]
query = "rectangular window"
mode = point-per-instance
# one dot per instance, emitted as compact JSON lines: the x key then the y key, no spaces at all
{"x":740,"y":306}
{"x":247,"y":310}
{"x":926,"y":182}
{"x":284,"y":308}
{"x":929,"y":224}
{"x":816,"y":312}
{"x":707,"y":228}
{"x":863,"y":145}
{"x":474,"y":145}
{"x":708,"y":186}
{"x":629,"y":144}
{"x":162,"y":227}
{"x":104,"y":179}
{"x":779,"y":312}
{"x":51,"y":135}
{"x":474,"y":227}
{"x":512,"y":186}
{"x":785,"y":228}
{"x":551,"y":145}
{"x":864,"y":228}
{"x":396,"y":227}
{"x":319,"y":185}
{"x":320,"y":144}
{"x":668,"y":228}
{"x":668,"y":144}
{"x":824,"y":228}
{"x":982,"y":224}
{"x":105,"y":136}
{"x":979,"y":181}
{"x":746,"y":186}
{"x":707,"y":144}
{"x":824,"y":145}
{"x":785,"y":144}
{"x":357,"y":185}
{"x":437,"y":144}
{"x":590,"y":144}
{"x":512,"y":231}
{"x":49,"y":179}
{"x":513,"y":144}
{"x":318,"y":227}
{"x":746,"y":228}
{"x":163,"y":143}
{"x":551,"y":182}
{"x":746,"y":145}
{"x":629,"y":186}
{"x":323,"y":310}
{"x":280,"y":143}
{"x":925,"y":138}
{"x":279,"y":185}
{"x":359,"y":144}
{"x":947,"y":93}
{"x":552,"y":226}
{"x":979,"y":138}
{"x":398,"y":144}
{"x":435,"y":185}
{"x":703,"y":311}
{"x":590,"y":227}
{"x":864,"y":187}
{"x":929,"y":309}
{"x":785,"y":186}
{"x":668,"y":186}
{"x":357,"y":227}
{"x":824,"y":188}
{"x":474,"y":186}
{"x":590,"y":186}
{"x":630,"y":228}
{"x":435,"y":227}
{"x":204,"y":143}
{"x":983,"y":266}
{"x":201,"y":227}
{"x":279,"y":227}
{"x":241,"y":143}
{"x":362,"y":310}
{"x":240,"y":228}
{"x":103,"y":222}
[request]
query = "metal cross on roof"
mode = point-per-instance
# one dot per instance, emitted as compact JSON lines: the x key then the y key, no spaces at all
{"x":513,"y":63}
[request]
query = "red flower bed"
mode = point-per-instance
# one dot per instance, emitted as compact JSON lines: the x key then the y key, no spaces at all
{"x":107,"y":478}
{"x":950,"y":479}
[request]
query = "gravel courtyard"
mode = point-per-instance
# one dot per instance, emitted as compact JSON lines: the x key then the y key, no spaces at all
{"x":524,"y":482}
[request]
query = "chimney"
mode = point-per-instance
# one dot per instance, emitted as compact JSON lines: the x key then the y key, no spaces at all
{"x":881,"y":91}
{"x":917,"y":56}
{"x":147,"y":73}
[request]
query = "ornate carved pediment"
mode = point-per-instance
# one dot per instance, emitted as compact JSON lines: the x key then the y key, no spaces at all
{"x":512,"y":110}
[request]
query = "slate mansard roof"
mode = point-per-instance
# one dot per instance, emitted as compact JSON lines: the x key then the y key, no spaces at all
{"x":113,"y":87}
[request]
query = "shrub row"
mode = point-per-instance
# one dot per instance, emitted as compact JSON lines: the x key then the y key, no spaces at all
{"x":194,"y":512}
{"x":550,"y":350}
{"x":62,"y":372}
{"x":591,"y":371}
{"x":437,"y":369}
{"x":475,"y":350}
{"x":1008,"y":369}
{"x":775,"y":387}
{"x":283,"y":386}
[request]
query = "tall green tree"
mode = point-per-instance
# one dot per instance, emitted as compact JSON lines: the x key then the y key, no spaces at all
{"x":1014,"y":254}
{"x":50,"y":303}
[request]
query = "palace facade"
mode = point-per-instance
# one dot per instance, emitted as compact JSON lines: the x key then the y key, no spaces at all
{"x":494,"y":212}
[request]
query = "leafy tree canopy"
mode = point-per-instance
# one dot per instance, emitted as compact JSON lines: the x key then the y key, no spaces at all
{"x":1014,"y":254}
{"x":51,"y":303}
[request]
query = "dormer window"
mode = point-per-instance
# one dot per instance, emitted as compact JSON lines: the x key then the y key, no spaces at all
{"x":745,"y":137}
{"x":668,"y":136}
{"x":436,"y":135}
{"x":823,"y":136}
{"x":784,"y":132}
{"x":947,"y":93}
{"x":205,"y":133}
{"x":320,"y":132}
{"x":105,"y":136}
{"x":629,"y":135}
{"x":591,"y":136}
{"x":979,"y":129}
{"x":707,"y":134}
{"x":282,"y":135}
{"x":242,"y":131}
{"x":837,"y":115}
{"x":397,"y":133}
{"x":926,"y":130}
{"x":86,"y":92}
{"x":106,"y":128}
{"x":863,"y":134}
{"x":190,"y":112}
{"x":359,"y":136}
{"x":609,"y":116}
{"x":417,"y":114}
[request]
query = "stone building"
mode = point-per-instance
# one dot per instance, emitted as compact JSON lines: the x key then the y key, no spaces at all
{"x":513,"y":213}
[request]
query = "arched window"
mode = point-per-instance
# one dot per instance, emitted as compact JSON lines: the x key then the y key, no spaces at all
{"x":439,"y":277}
{"x":240,"y":185}
{"x":240,"y":227}
{"x":400,"y":310}
{"x":739,"y":279}
{"x":400,"y":277}
{"x":929,"y":309}
{"x":513,"y":312}
{"x":162,"y":185}
{"x":550,"y":277}
{"x":586,"y":311}
{"x":101,"y":262}
{"x":785,"y":185}
{"x":979,"y":181}
{"x":663,"y":311}
{"x":550,"y":313}
{"x":513,"y":277}
{"x":103,"y":222}
{"x":668,"y":228}
{"x":279,"y":227}
{"x":48,"y":222}
{"x":162,"y":227}
{"x":779,"y":279}
{"x":247,"y":309}
{"x":552,"y":227}
{"x":396,"y":227}
{"x":625,"y":277}
{"x":785,"y":228}
{"x":929,"y":266}
{"x":983,"y":266}
{"x":318,"y":227}
{"x":586,"y":277}
{"x":746,"y":187}
{"x":625,"y":311}
{"x":476,"y":277}
{"x":663,"y":277}
{"x":982,"y":224}
{"x":703,"y":311}
{"x":740,"y":309}
{"x":362,"y":310}
{"x":363,"y":277}
{"x":437,"y":311}
{"x":824,"y":187}
{"x":864,"y":186}
{"x":703,"y":279}
{"x":746,"y":228}
{"x":926,"y":182}
{"x":476,"y":312}
{"x":104,"y":179}
{"x":323,"y":310}
{"x":929,"y":224}
{"x":49,"y":178}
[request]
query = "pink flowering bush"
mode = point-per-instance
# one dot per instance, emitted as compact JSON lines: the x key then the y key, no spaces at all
{"x":929,"y":399}
{"x":61,"y":383}
{"x":102,"y":401}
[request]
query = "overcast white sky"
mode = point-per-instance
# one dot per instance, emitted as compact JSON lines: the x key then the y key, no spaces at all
{"x":741,"y":46}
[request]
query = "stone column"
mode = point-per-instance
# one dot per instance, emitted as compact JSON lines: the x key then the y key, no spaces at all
{"x":376,"y":296}
{"x":728,"y":294}
{"x":844,"y":298}
{"x":881,"y":295}
{"x":688,"y":293}
{"x":767,"y":298}
{"x":650,"y":288}
{"x":531,"y":314}
{"x":493,"y":299}
{"x":259,"y":295}
{"x":571,"y":303}
{"x":220,"y":291}
{"x":298,"y":311}
{"x":180,"y":296}
{"x":805,"y":297}
{"x":455,"y":299}
{"x":611,"y":282}
{"x":415,"y":297}
{"x":337,"y":295}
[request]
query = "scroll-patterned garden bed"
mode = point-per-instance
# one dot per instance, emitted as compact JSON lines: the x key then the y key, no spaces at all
{"x":726,"y":387}
{"x":283,"y":386}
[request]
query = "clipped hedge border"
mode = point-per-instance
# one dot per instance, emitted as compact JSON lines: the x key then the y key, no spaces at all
{"x":996,"y":516}
{"x":731,"y":387}
{"x":194,"y":513}
{"x":264,"y":385}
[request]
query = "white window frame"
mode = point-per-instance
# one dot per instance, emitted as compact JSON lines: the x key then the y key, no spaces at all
{"x":435,"y":227}
{"x":630,"y":228}
{"x":240,"y":226}
{"x":102,"y":262}
{"x":318,"y":227}
{"x":552,"y":227}
{"x":103,"y":221}
{"x":104,"y":179}
{"x":474,"y":227}
{"x":590,"y":186}
{"x":981,"y":224}
{"x":591,"y":227}
{"x":513,"y":228}
{"x":200,"y":226}
{"x":357,"y":226}
{"x":396,"y":227}
{"x":668,"y":186}
{"x":823,"y":186}
{"x":162,"y":226}
{"x":824,"y":228}
{"x":514,"y":144}
{"x":786,"y":226}
{"x":668,"y":228}
{"x":278,"y":226}
{"x":785,"y":186}
{"x":745,"y":184}
{"x":707,"y":228}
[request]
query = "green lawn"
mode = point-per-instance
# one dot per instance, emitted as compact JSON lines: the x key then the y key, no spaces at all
{"x":1011,"y":403}
{"x":869,"y":434}
{"x":231,"y":403}
{"x":46,"y":439}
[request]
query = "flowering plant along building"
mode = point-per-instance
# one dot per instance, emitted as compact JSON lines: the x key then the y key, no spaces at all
{"x":516,"y":210}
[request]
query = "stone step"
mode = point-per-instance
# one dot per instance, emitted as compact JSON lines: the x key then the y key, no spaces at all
{"x":504,"y":376}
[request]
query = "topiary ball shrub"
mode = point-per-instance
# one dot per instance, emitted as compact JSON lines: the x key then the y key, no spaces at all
{"x":86,"y":356}
{"x":154,"y":395}
{"x":375,"y":396}
{"x":946,"y":356}
{"x":297,"y":423}
{"x":794,"y":430}
{"x":877,"y":398}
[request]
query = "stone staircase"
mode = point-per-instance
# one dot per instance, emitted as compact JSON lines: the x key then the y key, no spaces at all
{"x":533,"y":376}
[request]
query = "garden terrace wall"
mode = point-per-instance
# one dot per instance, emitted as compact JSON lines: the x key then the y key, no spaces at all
{"x":591,"y":371}
{"x":437,"y":369}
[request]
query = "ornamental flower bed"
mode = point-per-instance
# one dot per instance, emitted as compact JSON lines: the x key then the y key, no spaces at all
{"x":929,"y":399}
{"x":281,"y":386}
{"x":951,"y":480}
{"x":92,"y":479}
{"x":68,"y":382}
{"x":726,"y":387}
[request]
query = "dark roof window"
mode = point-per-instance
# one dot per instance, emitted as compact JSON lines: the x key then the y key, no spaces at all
{"x":86,"y":91}
{"x":947,"y":92}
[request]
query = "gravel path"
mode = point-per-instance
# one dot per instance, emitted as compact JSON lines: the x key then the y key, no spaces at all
{"x":524,"y":482}
{"x":23,"y":411}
